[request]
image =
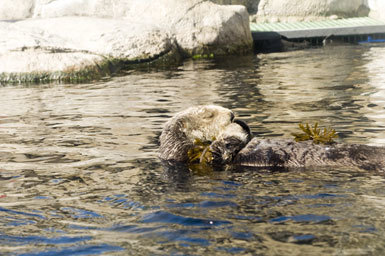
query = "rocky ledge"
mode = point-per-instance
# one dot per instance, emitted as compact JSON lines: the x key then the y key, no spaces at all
{"x":80,"y":40}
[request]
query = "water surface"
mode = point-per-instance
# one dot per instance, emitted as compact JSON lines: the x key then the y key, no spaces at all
{"x":79,"y":173}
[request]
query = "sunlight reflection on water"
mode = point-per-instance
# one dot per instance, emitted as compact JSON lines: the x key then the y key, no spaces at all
{"x":79,"y":173}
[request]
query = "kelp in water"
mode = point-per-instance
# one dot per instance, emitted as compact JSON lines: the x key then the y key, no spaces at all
{"x":314,"y":134}
{"x":200,"y":152}
{"x":200,"y":157}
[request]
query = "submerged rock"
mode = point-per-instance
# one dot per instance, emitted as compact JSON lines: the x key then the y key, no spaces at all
{"x":83,"y":39}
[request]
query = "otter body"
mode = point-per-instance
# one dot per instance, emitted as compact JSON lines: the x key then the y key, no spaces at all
{"x":289,"y":153}
{"x":231,"y":143}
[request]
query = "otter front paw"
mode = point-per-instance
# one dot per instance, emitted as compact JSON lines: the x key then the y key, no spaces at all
{"x":224,"y":151}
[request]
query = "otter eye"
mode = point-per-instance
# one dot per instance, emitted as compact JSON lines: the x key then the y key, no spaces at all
{"x":228,"y":145}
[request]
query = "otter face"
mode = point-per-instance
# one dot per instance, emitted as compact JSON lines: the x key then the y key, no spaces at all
{"x":204,"y":123}
{"x":230,"y":142}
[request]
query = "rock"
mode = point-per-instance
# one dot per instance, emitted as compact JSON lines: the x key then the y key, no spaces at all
{"x":198,"y":26}
{"x":77,"y":48}
{"x":16,"y":9}
{"x":377,"y":9}
{"x":85,"y":39}
{"x":251,"y":5}
{"x":92,"y":8}
{"x":209,"y":29}
{"x":306,"y":10}
{"x":107,"y":37}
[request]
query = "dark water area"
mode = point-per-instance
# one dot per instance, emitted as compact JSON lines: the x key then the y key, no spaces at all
{"x":79,"y":173}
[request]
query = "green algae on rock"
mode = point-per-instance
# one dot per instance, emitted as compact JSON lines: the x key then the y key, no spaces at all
{"x":203,"y":56}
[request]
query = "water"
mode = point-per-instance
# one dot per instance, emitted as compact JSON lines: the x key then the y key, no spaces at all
{"x":79,"y":173}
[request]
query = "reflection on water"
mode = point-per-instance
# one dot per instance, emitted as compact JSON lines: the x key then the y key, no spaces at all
{"x":79,"y":173}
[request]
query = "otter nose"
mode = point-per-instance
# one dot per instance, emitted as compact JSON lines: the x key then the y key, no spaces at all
{"x":232,"y":116}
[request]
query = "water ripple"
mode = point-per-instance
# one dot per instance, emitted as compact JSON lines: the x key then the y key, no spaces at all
{"x":79,"y":173}
{"x":20,"y":240}
{"x":166,"y":217}
{"x":9,"y":211}
{"x":77,"y":250}
{"x":306,"y":218}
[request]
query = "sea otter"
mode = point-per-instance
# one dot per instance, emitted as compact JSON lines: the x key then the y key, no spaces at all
{"x":203,"y":122}
{"x":231,"y":142}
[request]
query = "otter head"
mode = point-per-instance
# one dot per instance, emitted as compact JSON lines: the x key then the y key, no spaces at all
{"x":230,"y":142}
{"x":203,"y":123}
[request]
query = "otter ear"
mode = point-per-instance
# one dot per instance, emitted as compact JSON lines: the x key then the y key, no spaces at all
{"x":206,"y":114}
{"x":181,"y":124}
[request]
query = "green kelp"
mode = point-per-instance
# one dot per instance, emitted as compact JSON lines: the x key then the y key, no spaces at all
{"x":314,"y":134}
{"x":200,"y":152}
{"x":200,"y":157}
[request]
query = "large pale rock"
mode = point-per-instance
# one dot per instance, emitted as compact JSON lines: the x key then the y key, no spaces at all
{"x":198,"y":26}
{"x":251,"y":5}
{"x":377,"y":9}
{"x":16,"y":9}
{"x":299,"y":10}
{"x":107,"y":37}
{"x":223,"y":30}
{"x":73,"y":48}
{"x":72,"y":39}
{"x":93,"y":8}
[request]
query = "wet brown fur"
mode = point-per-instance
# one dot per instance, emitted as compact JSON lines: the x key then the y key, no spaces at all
{"x":201,"y":122}
{"x":288,"y":153}
{"x":234,"y":144}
